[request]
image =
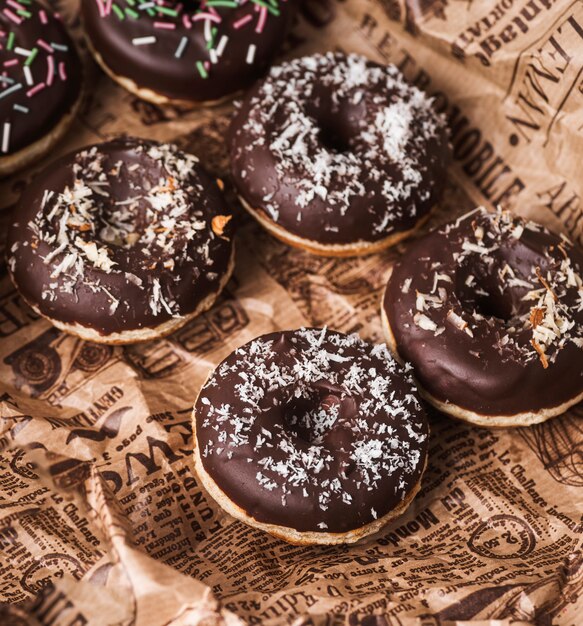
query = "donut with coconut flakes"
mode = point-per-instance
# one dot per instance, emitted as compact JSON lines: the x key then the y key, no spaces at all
{"x":338,"y":155}
{"x":489,"y":311}
{"x":311,"y":435}
{"x":121,"y":242}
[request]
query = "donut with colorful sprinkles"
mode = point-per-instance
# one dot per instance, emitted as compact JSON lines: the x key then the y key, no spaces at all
{"x":311,"y":435}
{"x":40,"y":82}
{"x":166,"y":51}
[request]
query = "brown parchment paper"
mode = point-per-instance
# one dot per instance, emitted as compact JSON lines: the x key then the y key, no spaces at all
{"x":102,"y":519}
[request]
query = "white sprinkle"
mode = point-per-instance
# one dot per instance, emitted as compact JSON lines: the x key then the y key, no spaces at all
{"x":251,"y":53}
{"x":181,"y":47}
{"x":28,"y":75}
{"x":143,"y":41}
{"x":208,"y":35}
{"x":222,"y":43}
{"x":6,"y":137}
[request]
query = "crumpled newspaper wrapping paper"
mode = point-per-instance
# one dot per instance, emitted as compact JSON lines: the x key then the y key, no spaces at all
{"x":102,"y":518}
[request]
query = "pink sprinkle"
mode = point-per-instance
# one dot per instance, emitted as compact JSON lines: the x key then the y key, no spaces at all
{"x":206,"y":16}
{"x":166,"y":25}
{"x":12,"y":16}
{"x":43,"y":16}
{"x":43,"y":44}
{"x":35,"y":89}
{"x":62,"y":71}
{"x":15,"y":5}
{"x":11,"y":62}
{"x":261,"y":21}
{"x":244,"y":20}
{"x":186,"y":21}
{"x":50,"y":70}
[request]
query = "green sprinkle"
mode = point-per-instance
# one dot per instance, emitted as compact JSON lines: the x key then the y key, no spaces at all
{"x":120,"y":14}
{"x":31,"y":57}
{"x":272,"y":9}
{"x":222,"y":3}
{"x":167,"y":11}
{"x":201,"y":69}
{"x":10,"y":42}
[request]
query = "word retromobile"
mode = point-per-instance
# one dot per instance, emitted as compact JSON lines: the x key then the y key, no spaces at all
{"x":311,"y":435}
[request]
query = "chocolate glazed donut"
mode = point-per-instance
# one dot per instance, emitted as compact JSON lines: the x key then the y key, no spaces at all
{"x":40,"y":86}
{"x":311,"y":435}
{"x":489,"y":311}
{"x":191,"y":51}
{"x":123,"y":241}
{"x":338,"y":155}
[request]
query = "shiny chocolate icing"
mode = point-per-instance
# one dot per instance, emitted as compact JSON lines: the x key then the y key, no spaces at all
{"x":338,"y":149}
{"x":119,"y":236}
{"x":489,"y":311}
{"x":312,"y":429}
{"x":41,"y":75}
{"x":194,"y":51}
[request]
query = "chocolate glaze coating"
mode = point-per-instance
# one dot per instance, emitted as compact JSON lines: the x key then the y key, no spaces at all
{"x":312,"y":429}
{"x":483,"y":327}
{"x":338,"y":149}
{"x":170,"y":65}
{"x":119,"y":236}
{"x":34,"y":100}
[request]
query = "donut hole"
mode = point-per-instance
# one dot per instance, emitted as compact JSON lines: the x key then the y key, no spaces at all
{"x":332,"y":137}
{"x":310,"y":418}
{"x":336,"y":127}
{"x":118,"y":225}
{"x":123,"y":215}
{"x":493,"y":305}
{"x":479,"y":291}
